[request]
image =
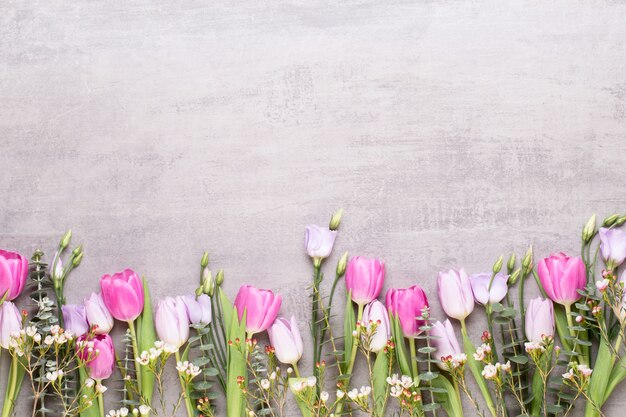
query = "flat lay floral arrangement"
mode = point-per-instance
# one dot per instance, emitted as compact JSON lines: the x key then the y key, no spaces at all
{"x":538,"y":357}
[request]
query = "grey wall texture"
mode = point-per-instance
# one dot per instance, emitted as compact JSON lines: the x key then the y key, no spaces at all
{"x":450,"y":132}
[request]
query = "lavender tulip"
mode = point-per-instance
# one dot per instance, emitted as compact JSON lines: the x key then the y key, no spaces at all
{"x":13,"y":274}
{"x":444,"y":339}
{"x":406,"y":304}
{"x":613,"y":246}
{"x":480,"y":287}
{"x":455,"y":293}
{"x":286,"y":340}
{"x":10,"y":322}
{"x":376,"y":313}
{"x":74,"y":319}
{"x":171,"y":321}
{"x":261,"y":307}
{"x":98,"y":314}
{"x":198,"y":309}
{"x":364,"y":279}
{"x":561,"y":277}
{"x":539,"y":319}
{"x":319,"y":241}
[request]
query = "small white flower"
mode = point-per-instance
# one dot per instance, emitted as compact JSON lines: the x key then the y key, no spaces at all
{"x":602,"y":285}
{"x":585,"y":370}
{"x":144,"y":410}
{"x":31,"y":331}
{"x":324,"y":396}
{"x":89,"y":382}
{"x":340,"y":394}
{"x":265,"y":383}
{"x":37,"y":338}
{"x":311,"y":381}
{"x":353,"y":394}
{"x":101,"y":389}
{"x":49,"y":340}
{"x":490,"y":371}
{"x":406,"y":381}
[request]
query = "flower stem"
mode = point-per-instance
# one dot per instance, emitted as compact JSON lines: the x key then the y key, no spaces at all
{"x":183,"y":387}
{"x":570,"y":325}
{"x":133,"y":337}
{"x":355,"y":345}
{"x":413,"y":358}
{"x":295,"y":369}
{"x":101,"y":402}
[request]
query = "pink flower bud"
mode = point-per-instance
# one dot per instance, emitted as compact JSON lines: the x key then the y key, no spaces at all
{"x":364,"y":279}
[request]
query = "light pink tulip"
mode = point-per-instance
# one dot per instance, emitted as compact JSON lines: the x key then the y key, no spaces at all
{"x":122,"y":293}
{"x":99,"y":359}
{"x":364,"y":279}
{"x":261,"y":307}
{"x":286,"y":340}
{"x":319,"y":241}
{"x":407,"y":304}
{"x":98,"y":314}
{"x":561,"y":277}
{"x":480,"y":287}
{"x":375,"y":312}
{"x":13,"y":274}
{"x":613,"y":245}
{"x":74,"y":319}
{"x":198,"y":309}
{"x":444,"y":339}
{"x":171,"y":321}
{"x":455,"y":293}
{"x":10,"y":322}
{"x":539,"y":319}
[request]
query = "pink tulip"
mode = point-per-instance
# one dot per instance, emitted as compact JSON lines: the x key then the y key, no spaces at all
{"x":261,"y":307}
{"x":13,"y":274}
{"x":198,"y":309}
{"x":444,"y":339}
{"x":613,"y":245}
{"x":561,"y":277}
{"x":319,"y":241}
{"x":364,"y":279}
{"x":171,"y":321}
{"x":376,"y":313}
{"x":286,"y":340}
{"x":98,"y":314}
{"x":10,"y":322}
{"x":99,"y":355}
{"x":74,"y":319}
{"x":122,"y":293}
{"x":539,"y":319}
{"x":480,"y":287}
{"x":407,"y":304}
{"x":455,"y":293}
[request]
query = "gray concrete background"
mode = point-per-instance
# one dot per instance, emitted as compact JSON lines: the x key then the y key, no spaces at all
{"x":450,"y":132}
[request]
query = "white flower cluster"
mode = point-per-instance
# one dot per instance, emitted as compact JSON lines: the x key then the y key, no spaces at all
{"x":142,"y":411}
{"x":398,"y":385}
{"x":54,"y":375}
{"x":577,"y":370}
{"x":309,"y":383}
{"x":534,"y":347}
{"x":360,"y":394}
{"x":457,"y":360}
{"x":21,"y":341}
{"x":188,"y":368}
{"x":149,"y":356}
{"x":492,"y":371}
{"x":482,"y":352}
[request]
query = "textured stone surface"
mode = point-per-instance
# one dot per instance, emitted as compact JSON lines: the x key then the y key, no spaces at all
{"x":450,"y":132}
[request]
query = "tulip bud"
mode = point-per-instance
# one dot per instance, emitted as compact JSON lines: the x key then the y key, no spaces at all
{"x":286,"y":340}
{"x":590,"y":229}
{"x":65,"y":240}
{"x":364,"y":279}
{"x":562,"y":277}
{"x":497,"y":267}
{"x":609,"y":221}
{"x":510,"y":265}
{"x":204,"y":262}
{"x":455,"y":293}
{"x":335,"y":220}
{"x":539,"y":319}
{"x":514,"y":277}
{"x":123,"y":294}
{"x":76,"y":259}
{"x":527,"y":261}
{"x":261,"y":307}
{"x":341,"y":265}
{"x":219,"y":278}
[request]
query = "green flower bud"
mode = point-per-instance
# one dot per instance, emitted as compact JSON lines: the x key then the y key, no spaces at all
{"x":342,"y":264}
{"x":510,"y":263}
{"x":77,"y":250}
{"x":608,"y":222}
{"x":527,"y":261}
{"x":590,"y":229}
{"x":199,"y":291}
{"x":219,"y":278}
{"x":497,"y":267}
{"x":76,"y":259}
{"x":514,"y":277}
{"x":65,"y":240}
{"x":335,"y":220}
{"x":204,"y":262}
{"x":208,"y":283}
{"x":620,"y":221}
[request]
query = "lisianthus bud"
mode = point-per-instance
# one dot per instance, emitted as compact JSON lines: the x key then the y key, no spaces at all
{"x":208,"y":283}
{"x":10,"y":322}
{"x":527,"y":261}
{"x":342,"y":264}
{"x":204,"y":262}
{"x":514,"y":277}
{"x":65,"y":240}
{"x":620,"y":221}
{"x":510,"y":265}
{"x":219,"y":278}
{"x":75,"y":319}
{"x":609,"y":221}
{"x":375,"y":312}
{"x":590,"y":229}
{"x":497,"y":266}
{"x":335,"y":220}
{"x":77,"y":259}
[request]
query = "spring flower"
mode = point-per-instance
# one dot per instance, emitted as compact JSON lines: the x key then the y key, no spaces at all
{"x":286,"y":340}
{"x":490,"y":371}
{"x":122,"y":293}
{"x":455,"y":293}
{"x":261,"y":307}
{"x":98,"y":314}
{"x":539,"y":319}
{"x":445,"y":341}
{"x":171,"y":321}
{"x":364,"y":279}
{"x":13,"y":274}
{"x":98,"y":354}
{"x":561,"y":277}
{"x":10,"y":323}
{"x":319,"y":241}
{"x":198,"y":309}
{"x":613,"y":246}
{"x":602,"y":285}
{"x":480,"y":287}
{"x":407,"y":304}
{"x":74,"y":319}
{"x":375,"y":312}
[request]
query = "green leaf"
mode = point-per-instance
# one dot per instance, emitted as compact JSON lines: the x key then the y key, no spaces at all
{"x":146,"y":336}
{"x":380,"y":372}
{"x":398,"y":338}
{"x":349,"y":325}
{"x":236,"y":366}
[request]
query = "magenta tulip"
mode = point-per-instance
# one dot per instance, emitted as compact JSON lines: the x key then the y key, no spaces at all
{"x":407,"y":304}
{"x":319,"y":241}
{"x":10,"y":322}
{"x":286,"y":340}
{"x":99,"y":355}
{"x":444,"y":339}
{"x":561,"y":277}
{"x":75,"y":319}
{"x":261,"y":307}
{"x":480,"y":287}
{"x":375,"y":312}
{"x":364,"y":279}
{"x":539,"y":319}
{"x":171,"y":321}
{"x":455,"y":293}
{"x":98,"y":314}
{"x":13,"y":274}
{"x":613,"y":246}
{"x":122,"y":293}
{"x":198,"y":309}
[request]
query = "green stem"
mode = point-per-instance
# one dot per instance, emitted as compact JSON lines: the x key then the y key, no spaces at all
{"x":492,"y":343}
{"x":476,"y":369}
{"x":183,"y":387}
{"x":317,"y":349}
{"x":101,"y":403}
{"x":413,"y":352}
{"x":296,"y":370}
{"x":9,"y":400}
{"x":133,"y":337}
{"x":570,"y":324}
{"x":355,"y":345}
